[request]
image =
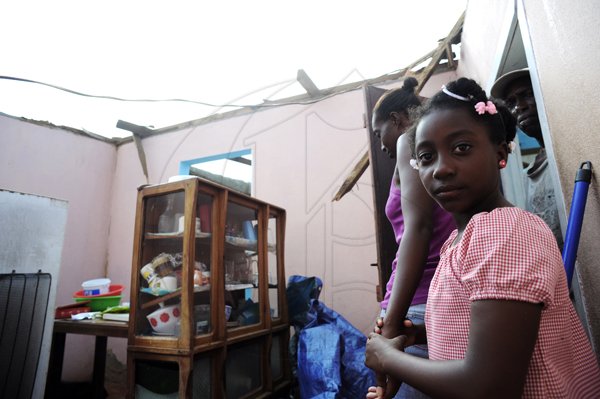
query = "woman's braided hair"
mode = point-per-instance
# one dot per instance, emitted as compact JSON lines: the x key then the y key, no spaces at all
{"x":397,"y":100}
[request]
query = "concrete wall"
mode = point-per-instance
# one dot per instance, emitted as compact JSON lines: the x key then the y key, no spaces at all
{"x":564,"y":42}
{"x":56,"y":163}
{"x":31,"y":239}
{"x":302,"y":154}
{"x":563,"y":51}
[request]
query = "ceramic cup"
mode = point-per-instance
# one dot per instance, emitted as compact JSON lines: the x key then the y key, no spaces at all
{"x":168,"y":283}
{"x":182,"y":221}
{"x":198,"y":226}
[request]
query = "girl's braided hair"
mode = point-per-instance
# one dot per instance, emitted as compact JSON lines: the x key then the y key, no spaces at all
{"x":501,"y":125}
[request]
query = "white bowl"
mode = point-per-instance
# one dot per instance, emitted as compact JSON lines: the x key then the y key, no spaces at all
{"x":164,"y":320}
{"x":97,"y":286}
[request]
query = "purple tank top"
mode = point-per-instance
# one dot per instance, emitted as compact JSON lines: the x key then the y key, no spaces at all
{"x":443,"y":226}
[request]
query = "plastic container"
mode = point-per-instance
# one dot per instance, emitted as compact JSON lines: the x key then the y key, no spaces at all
{"x":97,"y":286}
{"x":100,"y":303}
{"x":113,"y":290}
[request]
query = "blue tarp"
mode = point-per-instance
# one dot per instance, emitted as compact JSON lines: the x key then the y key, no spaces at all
{"x":330,"y":352}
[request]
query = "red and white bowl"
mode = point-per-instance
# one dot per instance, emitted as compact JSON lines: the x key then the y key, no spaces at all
{"x":164,"y":320}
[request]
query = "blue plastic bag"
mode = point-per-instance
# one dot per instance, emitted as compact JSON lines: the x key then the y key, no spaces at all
{"x":330,"y":351}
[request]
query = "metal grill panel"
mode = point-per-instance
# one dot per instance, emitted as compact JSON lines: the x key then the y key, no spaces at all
{"x":23,"y":306}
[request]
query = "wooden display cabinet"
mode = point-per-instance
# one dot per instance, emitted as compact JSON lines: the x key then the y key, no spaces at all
{"x":208,"y":307}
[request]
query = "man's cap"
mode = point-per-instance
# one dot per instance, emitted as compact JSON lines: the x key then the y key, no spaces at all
{"x":500,"y":84}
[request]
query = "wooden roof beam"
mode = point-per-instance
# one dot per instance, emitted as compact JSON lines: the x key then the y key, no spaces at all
{"x":444,"y":47}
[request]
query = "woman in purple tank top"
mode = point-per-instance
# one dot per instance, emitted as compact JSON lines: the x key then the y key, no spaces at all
{"x":420,"y":227}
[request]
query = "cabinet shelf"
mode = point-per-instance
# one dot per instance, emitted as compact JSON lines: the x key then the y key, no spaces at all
{"x":162,"y":236}
{"x":242,"y":243}
{"x":162,"y":298}
{"x":238,"y":286}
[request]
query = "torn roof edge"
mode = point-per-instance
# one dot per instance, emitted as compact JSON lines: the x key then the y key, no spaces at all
{"x":302,"y":99}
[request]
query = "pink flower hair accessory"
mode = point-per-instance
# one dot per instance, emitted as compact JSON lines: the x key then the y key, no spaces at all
{"x":489,"y":107}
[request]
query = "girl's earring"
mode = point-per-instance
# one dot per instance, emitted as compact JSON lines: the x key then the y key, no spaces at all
{"x":502,"y":163}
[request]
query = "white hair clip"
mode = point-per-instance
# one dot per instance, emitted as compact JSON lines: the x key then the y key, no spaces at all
{"x":414,"y":164}
{"x":512,"y":146}
{"x":454,"y":95}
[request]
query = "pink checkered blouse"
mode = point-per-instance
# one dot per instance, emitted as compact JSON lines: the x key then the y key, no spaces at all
{"x":510,"y":254}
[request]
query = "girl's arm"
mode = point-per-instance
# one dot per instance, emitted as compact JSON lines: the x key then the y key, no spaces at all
{"x":417,"y":209}
{"x":502,"y":335}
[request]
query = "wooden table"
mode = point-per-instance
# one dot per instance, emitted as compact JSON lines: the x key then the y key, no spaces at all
{"x":102,"y":329}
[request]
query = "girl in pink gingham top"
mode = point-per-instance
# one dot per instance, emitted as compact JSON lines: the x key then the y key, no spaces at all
{"x":499,"y":322}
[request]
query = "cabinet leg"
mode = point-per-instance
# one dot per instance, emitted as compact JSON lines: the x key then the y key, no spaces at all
{"x":57,"y":352}
{"x":130,"y":377}
{"x":99,"y":366}
{"x":185,"y":369}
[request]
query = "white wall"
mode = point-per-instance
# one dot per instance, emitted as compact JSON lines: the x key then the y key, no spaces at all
{"x":56,"y":163}
{"x":482,"y":38}
{"x":302,"y":154}
{"x":31,"y":240}
{"x":563,"y":51}
{"x":566,"y":49}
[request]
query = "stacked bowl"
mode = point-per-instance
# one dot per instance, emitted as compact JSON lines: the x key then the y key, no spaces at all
{"x":101,"y":294}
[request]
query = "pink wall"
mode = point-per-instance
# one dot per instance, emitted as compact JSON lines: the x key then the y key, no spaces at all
{"x":563,"y":61}
{"x":302,"y":154}
{"x":60,"y":164}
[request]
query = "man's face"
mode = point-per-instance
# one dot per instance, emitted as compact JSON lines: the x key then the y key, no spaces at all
{"x":521,"y":102}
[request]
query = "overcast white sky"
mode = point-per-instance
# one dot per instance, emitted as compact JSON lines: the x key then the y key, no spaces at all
{"x":218,"y":52}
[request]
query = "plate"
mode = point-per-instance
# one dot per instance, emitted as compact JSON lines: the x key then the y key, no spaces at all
{"x":233,"y":286}
{"x":241,"y":242}
{"x":168,"y":234}
{"x":159,"y":292}
{"x":162,"y":334}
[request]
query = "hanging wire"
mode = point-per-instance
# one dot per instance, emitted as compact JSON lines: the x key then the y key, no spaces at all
{"x":264,"y":105}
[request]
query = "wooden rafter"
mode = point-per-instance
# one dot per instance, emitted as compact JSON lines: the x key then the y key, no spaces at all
{"x":353,"y":177}
{"x":444,"y":49}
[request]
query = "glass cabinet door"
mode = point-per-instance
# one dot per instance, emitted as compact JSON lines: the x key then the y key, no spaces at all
{"x":240,"y":263}
{"x":273,"y":264}
{"x":243,"y":368}
{"x":202,"y":264}
{"x":158,"y":304}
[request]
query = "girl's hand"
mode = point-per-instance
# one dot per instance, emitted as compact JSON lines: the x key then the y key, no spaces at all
{"x":378,"y":325}
{"x":411,"y":331}
{"x":378,"y":347}
{"x":408,"y":329}
{"x":391,"y":385}
{"x":375,"y":393}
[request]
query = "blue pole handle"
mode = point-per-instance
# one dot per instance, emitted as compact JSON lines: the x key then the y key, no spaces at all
{"x":580,"y":192}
